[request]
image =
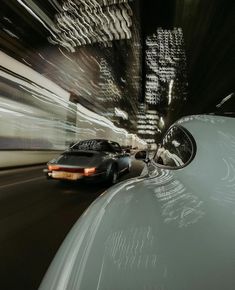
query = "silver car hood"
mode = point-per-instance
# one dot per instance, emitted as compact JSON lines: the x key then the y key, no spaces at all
{"x":173,"y":229}
{"x":136,"y":238}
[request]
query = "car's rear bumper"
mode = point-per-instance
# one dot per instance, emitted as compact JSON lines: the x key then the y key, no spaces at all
{"x":73,"y":176}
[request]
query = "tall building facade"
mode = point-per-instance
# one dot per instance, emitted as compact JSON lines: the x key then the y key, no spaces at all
{"x":147,"y":123}
{"x":166,"y":77}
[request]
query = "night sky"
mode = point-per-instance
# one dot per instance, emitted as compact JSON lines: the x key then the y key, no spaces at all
{"x":209,"y":34}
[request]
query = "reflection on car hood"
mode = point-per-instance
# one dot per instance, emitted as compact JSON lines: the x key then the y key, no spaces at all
{"x":173,"y":229}
{"x":154,"y":233}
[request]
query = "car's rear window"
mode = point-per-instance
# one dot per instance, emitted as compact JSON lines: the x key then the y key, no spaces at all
{"x":177,"y":148}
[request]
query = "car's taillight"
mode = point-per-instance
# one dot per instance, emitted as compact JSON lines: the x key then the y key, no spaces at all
{"x":84,"y":171}
{"x":53,"y":167}
{"x":89,"y":171}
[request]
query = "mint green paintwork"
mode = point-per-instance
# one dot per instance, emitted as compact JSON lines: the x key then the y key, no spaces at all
{"x":169,"y":229}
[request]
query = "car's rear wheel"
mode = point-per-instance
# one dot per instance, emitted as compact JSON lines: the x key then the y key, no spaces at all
{"x":128,"y":169}
{"x":113,"y":175}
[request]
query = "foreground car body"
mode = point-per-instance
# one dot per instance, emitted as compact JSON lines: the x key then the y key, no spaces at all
{"x":170,"y":229}
{"x":90,"y":159}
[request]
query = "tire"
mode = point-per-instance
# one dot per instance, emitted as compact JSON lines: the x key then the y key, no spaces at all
{"x":113,"y":175}
{"x":128,"y":169}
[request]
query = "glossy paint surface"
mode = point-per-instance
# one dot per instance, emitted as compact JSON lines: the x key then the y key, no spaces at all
{"x":168,"y":229}
{"x":102,"y":155}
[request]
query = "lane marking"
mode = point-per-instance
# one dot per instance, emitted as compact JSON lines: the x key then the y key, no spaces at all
{"x":21,"y":182}
{"x":20,"y":170}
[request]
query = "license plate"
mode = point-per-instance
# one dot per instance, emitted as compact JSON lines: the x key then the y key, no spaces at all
{"x":66,"y":175}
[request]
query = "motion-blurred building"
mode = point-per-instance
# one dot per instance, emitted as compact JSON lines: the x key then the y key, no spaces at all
{"x":166,"y":78}
{"x":147,"y":124}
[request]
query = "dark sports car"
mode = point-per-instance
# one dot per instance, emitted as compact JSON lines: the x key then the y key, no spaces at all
{"x":95,"y":159}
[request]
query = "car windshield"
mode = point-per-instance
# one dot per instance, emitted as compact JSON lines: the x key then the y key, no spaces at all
{"x":176,"y":148}
{"x":94,"y":145}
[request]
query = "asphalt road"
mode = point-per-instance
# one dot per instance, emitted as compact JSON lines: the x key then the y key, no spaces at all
{"x":35,"y":216}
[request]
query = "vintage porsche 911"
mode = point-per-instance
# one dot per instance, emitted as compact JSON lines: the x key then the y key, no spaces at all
{"x":172,"y":228}
{"x":95,"y":159}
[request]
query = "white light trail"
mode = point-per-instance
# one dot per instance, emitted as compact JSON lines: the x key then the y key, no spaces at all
{"x":225,"y":100}
{"x":44,"y":20}
{"x":31,"y":75}
{"x":170,"y":92}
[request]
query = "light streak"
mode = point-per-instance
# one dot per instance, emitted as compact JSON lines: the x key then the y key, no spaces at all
{"x":170,"y":91}
{"x":24,"y":71}
{"x":10,"y":33}
{"x":89,"y":22}
{"x":47,"y":23}
{"x":225,"y":100}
